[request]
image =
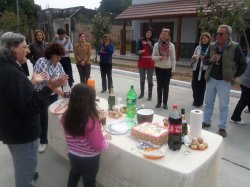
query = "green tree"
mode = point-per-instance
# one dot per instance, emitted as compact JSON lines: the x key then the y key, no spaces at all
{"x":100,"y":25}
{"x":114,"y":6}
{"x":230,"y":12}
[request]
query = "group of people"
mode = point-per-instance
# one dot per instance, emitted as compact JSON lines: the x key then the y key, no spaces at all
{"x":24,"y":103}
{"x":215,"y":65}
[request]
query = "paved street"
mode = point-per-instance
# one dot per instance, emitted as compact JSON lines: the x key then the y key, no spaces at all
{"x":235,"y":163}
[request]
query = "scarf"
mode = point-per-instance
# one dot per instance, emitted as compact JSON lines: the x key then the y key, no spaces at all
{"x":203,"y":49}
{"x":163,"y":48}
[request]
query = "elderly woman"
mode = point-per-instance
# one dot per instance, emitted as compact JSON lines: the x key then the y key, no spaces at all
{"x":165,"y":62}
{"x":50,"y":65}
{"x":82,"y":55}
{"x":21,"y":106}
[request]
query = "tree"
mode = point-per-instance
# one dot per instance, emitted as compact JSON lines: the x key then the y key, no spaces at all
{"x":114,"y":6}
{"x":230,"y":12}
{"x":100,"y":25}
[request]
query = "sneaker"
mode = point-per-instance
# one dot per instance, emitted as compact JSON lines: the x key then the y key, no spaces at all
{"x":222,"y":132}
{"x":241,"y":122}
{"x":36,"y":175}
{"x":247,"y":110}
{"x":42,"y":148}
{"x":205,"y":125}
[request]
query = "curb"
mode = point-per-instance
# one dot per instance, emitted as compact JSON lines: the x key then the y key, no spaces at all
{"x":184,"y":84}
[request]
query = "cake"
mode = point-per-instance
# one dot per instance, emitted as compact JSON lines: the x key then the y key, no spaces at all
{"x":150,"y":132}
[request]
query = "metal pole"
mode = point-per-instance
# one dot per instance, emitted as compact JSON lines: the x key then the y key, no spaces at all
{"x":17,"y":11}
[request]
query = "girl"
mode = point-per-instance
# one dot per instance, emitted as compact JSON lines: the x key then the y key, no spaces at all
{"x":144,"y":48}
{"x":165,"y":62}
{"x":198,"y":79}
{"x":83,"y":136}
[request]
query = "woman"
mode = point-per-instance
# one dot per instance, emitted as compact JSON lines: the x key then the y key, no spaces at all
{"x":144,"y":48}
{"x":199,"y":69}
{"x":20,"y":107}
{"x":165,"y":62}
{"x":37,"y":48}
{"x":106,"y":50}
{"x":49,"y":64}
{"x":82,"y":55}
{"x":244,"y":98}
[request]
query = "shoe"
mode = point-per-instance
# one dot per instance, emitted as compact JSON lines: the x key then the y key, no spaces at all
{"x":222,"y":132}
{"x":205,"y":125}
{"x":36,"y":175}
{"x":165,"y":107}
{"x":103,"y":91}
{"x":247,"y":110}
{"x":140,"y":96}
{"x":42,"y":148}
{"x":149,"y":98}
{"x":158,"y":105}
{"x":241,"y":122}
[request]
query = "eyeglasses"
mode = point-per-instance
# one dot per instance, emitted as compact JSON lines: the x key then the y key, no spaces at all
{"x":220,"y":33}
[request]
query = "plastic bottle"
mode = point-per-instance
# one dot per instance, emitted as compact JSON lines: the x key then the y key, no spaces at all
{"x":111,"y":99}
{"x":131,"y":102}
{"x":184,"y":123}
{"x":66,"y":89}
{"x":91,"y":82}
{"x":175,"y":129}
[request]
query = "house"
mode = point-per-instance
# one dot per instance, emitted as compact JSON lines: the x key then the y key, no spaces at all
{"x":180,"y":16}
{"x":75,"y":20}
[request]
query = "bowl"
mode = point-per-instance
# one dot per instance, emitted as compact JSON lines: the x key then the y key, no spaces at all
{"x":145,"y":115}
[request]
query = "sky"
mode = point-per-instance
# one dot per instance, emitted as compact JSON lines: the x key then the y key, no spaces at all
{"x":91,"y":4}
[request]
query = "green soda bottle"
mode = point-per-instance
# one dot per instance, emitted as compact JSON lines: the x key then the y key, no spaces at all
{"x":131,"y":102}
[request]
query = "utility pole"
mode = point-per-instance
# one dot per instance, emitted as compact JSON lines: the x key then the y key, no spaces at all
{"x":17,"y":12}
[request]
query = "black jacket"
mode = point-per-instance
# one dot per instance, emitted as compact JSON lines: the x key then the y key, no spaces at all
{"x":20,"y":104}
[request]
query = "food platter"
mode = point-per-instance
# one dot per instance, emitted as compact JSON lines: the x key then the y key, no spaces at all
{"x":59,"y":107}
{"x":119,"y":127}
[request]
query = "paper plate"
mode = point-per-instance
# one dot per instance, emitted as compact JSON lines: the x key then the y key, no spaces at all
{"x":154,"y":153}
{"x":122,"y":126}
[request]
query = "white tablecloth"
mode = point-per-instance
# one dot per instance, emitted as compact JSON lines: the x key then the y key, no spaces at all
{"x":122,"y":165}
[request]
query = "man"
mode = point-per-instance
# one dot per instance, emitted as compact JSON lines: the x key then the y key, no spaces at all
{"x":20,"y":106}
{"x":62,"y":39}
{"x":225,"y":61}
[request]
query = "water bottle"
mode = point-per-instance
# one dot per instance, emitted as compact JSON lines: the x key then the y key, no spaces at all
{"x":131,"y":103}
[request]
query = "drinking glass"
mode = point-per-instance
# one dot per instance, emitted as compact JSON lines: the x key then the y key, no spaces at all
{"x":187,"y":141}
{"x":218,"y":57}
{"x":119,"y":101}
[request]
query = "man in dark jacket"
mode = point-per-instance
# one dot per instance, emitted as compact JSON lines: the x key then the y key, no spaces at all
{"x":20,"y":106}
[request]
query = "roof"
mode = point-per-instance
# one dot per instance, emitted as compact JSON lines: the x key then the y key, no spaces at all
{"x":163,"y":9}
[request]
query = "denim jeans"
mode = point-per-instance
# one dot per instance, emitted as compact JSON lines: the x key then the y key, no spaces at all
{"x":149,"y":71}
{"x":25,"y":158}
{"x":222,"y":88}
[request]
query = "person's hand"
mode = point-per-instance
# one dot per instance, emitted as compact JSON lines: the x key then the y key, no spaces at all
{"x":38,"y":77}
{"x":172,"y":74}
{"x":141,"y":51}
{"x":55,"y":83}
{"x":161,"y":58}
{"x":149,"y":43}
{"x":215,"y":58}
{"x":194,"y":57}
{"x":107,"y":136}
{"x":202,"y":58}
{"x":82,"y":63}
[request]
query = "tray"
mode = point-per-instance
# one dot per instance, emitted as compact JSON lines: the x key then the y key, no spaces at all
{"x":120,"y":127}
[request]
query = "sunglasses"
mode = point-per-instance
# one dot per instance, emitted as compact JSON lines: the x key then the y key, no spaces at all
{"x":220,"y":33}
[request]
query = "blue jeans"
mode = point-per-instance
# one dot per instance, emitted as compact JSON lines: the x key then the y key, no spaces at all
{"x":25,"y":162}
{"x":149,"y":71}
{"x":222,"y":88}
